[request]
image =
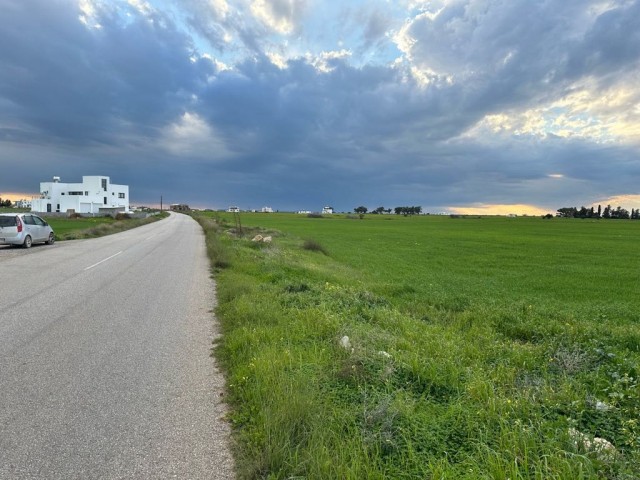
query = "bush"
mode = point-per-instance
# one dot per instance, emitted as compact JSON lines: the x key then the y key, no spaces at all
{"x":314,"y":246}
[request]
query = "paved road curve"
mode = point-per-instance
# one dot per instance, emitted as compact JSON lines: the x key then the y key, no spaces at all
{"x":105,"y":367}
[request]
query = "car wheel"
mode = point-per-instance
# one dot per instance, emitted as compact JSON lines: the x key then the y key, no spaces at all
{"x":52,"y":239}
{"x":27,"y":242}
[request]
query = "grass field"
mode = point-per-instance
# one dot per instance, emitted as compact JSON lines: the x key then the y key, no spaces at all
{"x":477,"y":347}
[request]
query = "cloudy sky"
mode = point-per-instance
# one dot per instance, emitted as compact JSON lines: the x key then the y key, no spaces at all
{"x":454,"y":105}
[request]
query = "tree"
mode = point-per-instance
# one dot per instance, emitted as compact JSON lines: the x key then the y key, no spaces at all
{"x":406,"y":211}
{"x":360,"y":209}
{"x":620,"y":213}
{"x":379,"y":210}
{"x":567,"y":212}
{"x":607,"y":212}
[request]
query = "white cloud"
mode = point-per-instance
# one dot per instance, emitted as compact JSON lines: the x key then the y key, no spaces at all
{"x":282,"y":16}
{"x":627,"y":201}
{"x":88,"y":14}
{"x":219,"y":7}
{"x":193,"y":136}
{"x":586,"y":112}
{"x":323,"y":61}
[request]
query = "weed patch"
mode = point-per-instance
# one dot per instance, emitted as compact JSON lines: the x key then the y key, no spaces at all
{"x":314,"y":246}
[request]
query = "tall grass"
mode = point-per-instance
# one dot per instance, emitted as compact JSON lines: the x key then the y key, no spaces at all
{"x":431,"y":348}
{"x":92,"y":227}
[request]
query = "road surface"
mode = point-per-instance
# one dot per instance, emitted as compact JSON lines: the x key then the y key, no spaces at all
{"x":105,"y":366}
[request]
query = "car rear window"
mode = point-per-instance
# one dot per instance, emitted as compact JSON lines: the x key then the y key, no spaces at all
{"x":7,"y":221}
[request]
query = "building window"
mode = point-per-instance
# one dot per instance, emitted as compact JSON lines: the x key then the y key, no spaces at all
{"x":75,"y":193}
{"x":105,"y":200}
{"x":104,"y":185}
{"x":121,"y":195}
{"x":86,"y":193}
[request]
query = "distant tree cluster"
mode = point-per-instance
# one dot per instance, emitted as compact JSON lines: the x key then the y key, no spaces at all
{"x":381,"y":210}
{"x":5,"y":203}
{"x":408,"y":210}
{"x":608,"y":212}
{"x":398,"y":210}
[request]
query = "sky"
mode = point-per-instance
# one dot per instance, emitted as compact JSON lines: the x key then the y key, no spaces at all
{"x":459,"y":106}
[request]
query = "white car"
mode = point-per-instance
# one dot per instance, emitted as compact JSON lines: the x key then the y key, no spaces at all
{"x":24,"y":229}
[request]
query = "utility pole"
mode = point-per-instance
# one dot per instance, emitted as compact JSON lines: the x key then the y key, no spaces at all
{"x":161,"y":203}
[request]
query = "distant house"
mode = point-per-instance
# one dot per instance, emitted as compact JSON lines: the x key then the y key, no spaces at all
{"x":233,"y":210}
{"x":179,"y":207}
{"x":266,"y":210}
{"x":24,"y":203}
{"x":96,"y":194}
{"x":304,"y":212}
{"x":327,"y":210}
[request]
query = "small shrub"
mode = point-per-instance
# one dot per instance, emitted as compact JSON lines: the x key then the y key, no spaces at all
{"x":314,"y":246}
{"x":314,"y":215}
{"x":217,"y":251}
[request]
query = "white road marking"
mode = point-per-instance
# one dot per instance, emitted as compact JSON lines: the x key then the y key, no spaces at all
{"x":102,"y":261}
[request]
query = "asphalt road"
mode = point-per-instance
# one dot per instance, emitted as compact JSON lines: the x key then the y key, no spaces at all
{"x":105,"y":366}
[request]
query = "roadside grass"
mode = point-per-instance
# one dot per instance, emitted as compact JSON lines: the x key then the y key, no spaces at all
{"x":430,"y":347}
{"x":91,"y":227}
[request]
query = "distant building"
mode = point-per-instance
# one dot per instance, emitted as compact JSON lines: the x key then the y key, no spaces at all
{"x":96,"y":194}
{"x":266,"y":210}
{"x":304,"y":212}
{"x":179,"y":207}
{"x":233,"y":210}
{"x":327,"y":210}
{"x":24,"y":203}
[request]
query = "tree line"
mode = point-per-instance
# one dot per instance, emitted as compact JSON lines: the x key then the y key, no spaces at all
{"x":406,"y":211}
{"x":5,"y":203}
{"x":608,"y":212}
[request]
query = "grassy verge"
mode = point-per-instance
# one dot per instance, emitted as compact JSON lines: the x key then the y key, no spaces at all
{"x":430,"y":348}
{"x":91,"y":227}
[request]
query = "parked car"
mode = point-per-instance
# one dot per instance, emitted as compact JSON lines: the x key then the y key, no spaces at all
{"x":24,"y":229}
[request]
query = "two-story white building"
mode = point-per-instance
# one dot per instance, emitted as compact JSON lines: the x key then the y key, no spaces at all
{"x":96,"y":194}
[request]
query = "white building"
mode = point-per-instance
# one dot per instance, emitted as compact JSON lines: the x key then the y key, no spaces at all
{"x":266,"y":210}
{"x":233,"y":210}
{"x":96,"y":194}
{"x":327,"y":210}
{"x":23,"y":203}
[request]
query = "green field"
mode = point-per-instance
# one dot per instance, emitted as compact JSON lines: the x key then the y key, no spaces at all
{"x":68,"y":227}
{"x":477,"y":347}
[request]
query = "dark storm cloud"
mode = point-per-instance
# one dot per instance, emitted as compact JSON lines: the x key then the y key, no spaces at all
{"x":521,"y":52}
{"x":82,"y":85}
